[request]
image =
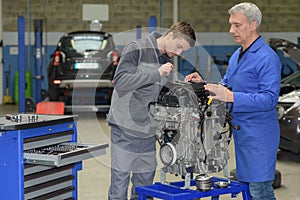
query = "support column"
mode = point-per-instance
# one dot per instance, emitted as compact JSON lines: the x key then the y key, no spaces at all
{"x":21,"y":65}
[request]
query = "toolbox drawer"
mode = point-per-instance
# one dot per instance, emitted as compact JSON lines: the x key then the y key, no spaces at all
{"x":63,"y":154}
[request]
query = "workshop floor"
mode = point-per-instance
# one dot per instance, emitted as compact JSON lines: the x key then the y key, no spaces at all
{"x":94,"y":179}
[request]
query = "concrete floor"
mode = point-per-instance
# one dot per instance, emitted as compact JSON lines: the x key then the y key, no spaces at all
{"x":94,"y":179}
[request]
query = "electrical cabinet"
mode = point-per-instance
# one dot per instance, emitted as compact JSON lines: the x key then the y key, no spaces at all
{"x":40,"y":156}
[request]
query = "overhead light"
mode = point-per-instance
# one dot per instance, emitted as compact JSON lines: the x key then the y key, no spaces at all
{"x":95,"y":25}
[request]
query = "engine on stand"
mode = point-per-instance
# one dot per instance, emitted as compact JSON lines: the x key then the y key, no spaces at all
{"x":192,"y":131}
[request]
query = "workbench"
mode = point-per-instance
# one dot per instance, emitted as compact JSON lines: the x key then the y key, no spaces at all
{"x":40,"y":156}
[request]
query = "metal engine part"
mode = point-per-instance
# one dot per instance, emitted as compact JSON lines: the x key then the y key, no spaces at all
{"x":192,"y":130}
{"x":203,"y":182}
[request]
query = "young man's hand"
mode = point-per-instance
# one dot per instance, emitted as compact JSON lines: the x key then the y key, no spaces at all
{"x":193,"y":77}
{"x":165,"y":69}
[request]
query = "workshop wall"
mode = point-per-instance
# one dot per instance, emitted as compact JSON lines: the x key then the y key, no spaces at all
{"x":209,"y":18}
{"x":205,"y":15}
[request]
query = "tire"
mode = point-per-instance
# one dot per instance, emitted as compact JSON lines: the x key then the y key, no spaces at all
{"x":276,"y":183}
{"x":30,"y":105}
{"x":53,"y":93}
{"x":233,"y":175}
{"x":53,"y":90}
{"x":277,"y":180}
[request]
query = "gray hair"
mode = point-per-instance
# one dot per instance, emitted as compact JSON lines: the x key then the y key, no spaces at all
{"x":250,"y":10}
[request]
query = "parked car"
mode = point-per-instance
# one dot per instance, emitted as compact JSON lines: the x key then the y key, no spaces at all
{"x":288,"y":109}
{"x":81,"y":70}
{"x":288,"y":102}
{"x":290,"y":83}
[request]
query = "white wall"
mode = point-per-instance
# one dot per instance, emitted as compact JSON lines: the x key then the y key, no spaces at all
{"x":211,"y":38}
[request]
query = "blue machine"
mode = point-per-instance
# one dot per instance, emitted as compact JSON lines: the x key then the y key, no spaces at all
{"x":40,"y":157}
{"x":174,"y":191}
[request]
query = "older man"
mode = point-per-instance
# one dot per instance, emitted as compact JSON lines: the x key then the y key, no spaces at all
{"x":253,"y":74}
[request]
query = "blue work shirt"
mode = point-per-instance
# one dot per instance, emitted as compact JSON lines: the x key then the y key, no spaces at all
{"x":255,"y":82}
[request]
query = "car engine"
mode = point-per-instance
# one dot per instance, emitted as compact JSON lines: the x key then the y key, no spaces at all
{"x":193,"y":130}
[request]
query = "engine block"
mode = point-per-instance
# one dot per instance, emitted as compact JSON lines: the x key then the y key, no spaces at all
{"x":192,"y":130}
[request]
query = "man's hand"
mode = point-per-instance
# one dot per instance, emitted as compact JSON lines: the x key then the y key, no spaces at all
{"x":220,"y":92}
{"x":165,"y":69}
{"x":193,"y":77}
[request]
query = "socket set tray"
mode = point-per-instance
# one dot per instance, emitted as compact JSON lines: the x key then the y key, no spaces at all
{"x":63,"y":154}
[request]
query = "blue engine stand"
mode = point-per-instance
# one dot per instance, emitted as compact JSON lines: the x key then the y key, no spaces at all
{"x":174,"y":191}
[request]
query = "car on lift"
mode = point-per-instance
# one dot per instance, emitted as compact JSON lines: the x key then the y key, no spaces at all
{"x":81,"y":70}
{"x":288,"y":106}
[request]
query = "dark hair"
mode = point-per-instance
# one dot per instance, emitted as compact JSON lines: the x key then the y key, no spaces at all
{"x":185,"y":30}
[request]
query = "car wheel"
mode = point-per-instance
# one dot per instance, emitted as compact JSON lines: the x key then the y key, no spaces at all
{"x":233,"y":175}
{"x":277,"y":180}
{"x":53,"y":93}
{"x":276,"y":183}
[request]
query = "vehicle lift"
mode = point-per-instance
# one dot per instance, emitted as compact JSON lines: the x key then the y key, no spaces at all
{"x":21,"y":59}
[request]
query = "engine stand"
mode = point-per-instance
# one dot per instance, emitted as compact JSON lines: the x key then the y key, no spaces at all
{"x":175,"y":191}
{"x":187,"y":179}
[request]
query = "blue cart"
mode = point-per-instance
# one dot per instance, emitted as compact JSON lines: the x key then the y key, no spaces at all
{"x":39,"y":156}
